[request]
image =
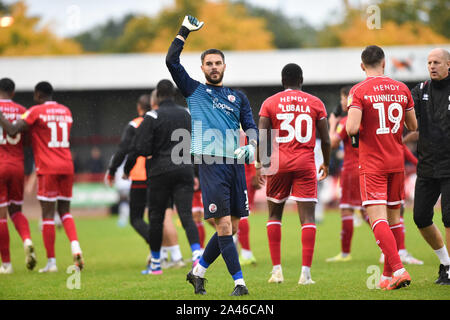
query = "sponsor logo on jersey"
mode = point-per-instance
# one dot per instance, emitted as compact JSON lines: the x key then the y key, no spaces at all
{"x":231,"y":98}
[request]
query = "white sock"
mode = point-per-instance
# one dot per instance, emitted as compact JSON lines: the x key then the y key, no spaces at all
{"x":164,"y":253}
{"x":344,"y":254}
{"x":175,"y":252}
{"x":276,"y":268}
{"x":27,"y":242}
{"x":51,"y":261}
{"x":306,"y":271}
{"x":399,"y":272}
{"x":246,"y":254}
{"x":238,"y":282}
{"x":6,"y":264}
{"x":385,"y":278}
{"x":442,"y":254}
{"x":199,"y":271}
{"x":402,"y":252}
{"x":75,"y":247}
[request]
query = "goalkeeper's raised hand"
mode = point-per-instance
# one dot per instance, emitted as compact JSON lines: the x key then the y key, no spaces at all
{"x":247,"y":152}
{"x":189,"y":24}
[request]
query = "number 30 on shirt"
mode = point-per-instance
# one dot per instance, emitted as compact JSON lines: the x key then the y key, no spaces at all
{"x":295,"y":129}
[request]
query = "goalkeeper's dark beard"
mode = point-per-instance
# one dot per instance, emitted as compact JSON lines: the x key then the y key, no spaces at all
{"x":214,"y":81}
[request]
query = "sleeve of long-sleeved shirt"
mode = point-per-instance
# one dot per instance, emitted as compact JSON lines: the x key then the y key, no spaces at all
{"x":124,"y":148}
{"x":247,"y":122}
{"x":416,"y":95}
{"x":184,"y":82}
{"x":142,"y":144}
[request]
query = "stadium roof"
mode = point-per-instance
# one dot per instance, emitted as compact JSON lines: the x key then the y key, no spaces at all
{"x":244,"y":68}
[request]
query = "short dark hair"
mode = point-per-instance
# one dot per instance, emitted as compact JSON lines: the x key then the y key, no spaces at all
{"x":345,"y":90}
{"x":7,"y":85}
{"x":212,"y":51}
{"x":291,"y":75}
{"x":45,"y":88}
{"x":144,"y":102}
{"x":372,"y":56}
{"x":165,"y":89}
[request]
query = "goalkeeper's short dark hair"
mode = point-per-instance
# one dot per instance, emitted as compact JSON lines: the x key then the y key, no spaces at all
{"x":372,"y":56}
{"x":212,"y":51}
{"x":7,"y":85}
{"x":291,"y":75}
{"x":45,"y":88}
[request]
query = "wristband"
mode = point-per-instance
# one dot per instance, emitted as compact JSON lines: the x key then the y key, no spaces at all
{"x":184,"y":32}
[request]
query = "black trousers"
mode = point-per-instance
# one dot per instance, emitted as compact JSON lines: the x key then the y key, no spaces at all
{"x":426,"y":194}
{"x":178,"y":185}
{"x":138,"y":202}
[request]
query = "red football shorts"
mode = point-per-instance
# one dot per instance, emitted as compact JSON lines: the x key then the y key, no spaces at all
{"x":197,"y":203}
{"x":11,"y":185}
{"x":350,"y":191}
{"x":383,"y":188}
{"x":52,"y":187}
{"x":298,"y":186}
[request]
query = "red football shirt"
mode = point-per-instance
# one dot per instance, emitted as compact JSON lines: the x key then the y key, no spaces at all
{"x":383,"y":103}
{"x":294,"y":113}
{"x":11,"y":149}
{"x":50,"y":125}
{"x":351,"y":155}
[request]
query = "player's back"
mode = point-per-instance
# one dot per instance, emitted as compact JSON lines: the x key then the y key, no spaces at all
{"x":11,"y":148}
{"x":383,"y":102}
{"x":50,"y":125}
{"x":294,"y":113}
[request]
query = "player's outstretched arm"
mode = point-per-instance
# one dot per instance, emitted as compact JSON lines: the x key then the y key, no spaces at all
{"x":184,"y":82}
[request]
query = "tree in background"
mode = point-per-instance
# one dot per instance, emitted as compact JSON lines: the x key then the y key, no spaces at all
{"x":402,"y":23}
{"x":23,"y":37}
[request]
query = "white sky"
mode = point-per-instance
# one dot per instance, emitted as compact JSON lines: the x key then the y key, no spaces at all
{"x":70,"y":17}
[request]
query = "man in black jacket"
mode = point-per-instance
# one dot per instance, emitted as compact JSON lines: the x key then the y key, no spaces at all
{"x":168,"y":178}
{"x":432,"y":105}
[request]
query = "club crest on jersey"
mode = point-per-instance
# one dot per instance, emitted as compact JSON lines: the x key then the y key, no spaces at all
{"x":231,"y":98}
{"x":212,"y":208}
{"x":209,"y":91}
{"x":350,"y":100}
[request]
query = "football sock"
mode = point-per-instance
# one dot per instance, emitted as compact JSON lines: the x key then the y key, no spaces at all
{"x":48,"y":234}
{"x":308,"y":241}
{"x":212,"y":251}
{"x":175,"y":252}
{"x":387,"y":271}
{"x":399,"y":235}
{"x":4,"y":241}
{"x":386,"y":241}
{"x":69,"y":227}
{"x":230,"y":255}
{"x":274,"y":236}
{"x":346,"y":234}
{"x":246,"y":254}
{"x":243,"y":234}
{"x":201,"y":234}
{"x":21,"y":224}
{"x":401,"y":245}
{"x":442,"y":254}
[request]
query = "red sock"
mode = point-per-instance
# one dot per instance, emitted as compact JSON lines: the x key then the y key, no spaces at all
{"x":4,"y":241}
{"x":21,"y":224}
{"x":386,"y":241}
{"x":69,"y":227}
{"x":274,"y":236}
{"x":387,"y":271}
{"x":201,"y":234}
{"x":48,"y":233}
{"x":243,"y":233}
{"x":346,"y":234}
{"x":399,"y":235}
{"x":308,"y":241}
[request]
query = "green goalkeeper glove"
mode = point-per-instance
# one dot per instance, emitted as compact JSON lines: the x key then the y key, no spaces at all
{"x":189,"y":24}
{"x":247,"y":151}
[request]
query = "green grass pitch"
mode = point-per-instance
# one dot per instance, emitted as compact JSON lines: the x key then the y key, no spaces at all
{"x":115,"y":256}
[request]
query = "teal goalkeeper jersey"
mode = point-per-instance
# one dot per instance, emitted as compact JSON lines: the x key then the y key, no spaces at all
{"x":217,"y":113}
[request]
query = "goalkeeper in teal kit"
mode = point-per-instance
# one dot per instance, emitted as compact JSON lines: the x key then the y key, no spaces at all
{"x":217,"y":113}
